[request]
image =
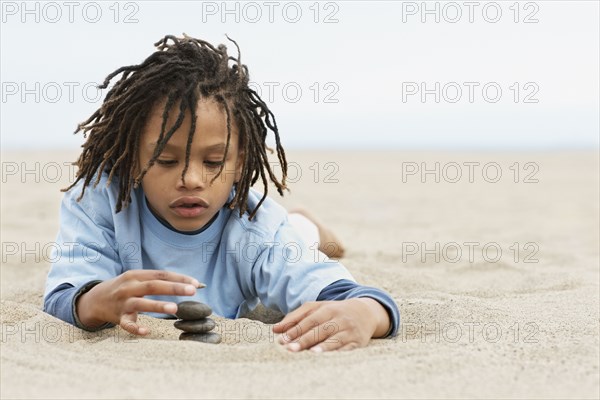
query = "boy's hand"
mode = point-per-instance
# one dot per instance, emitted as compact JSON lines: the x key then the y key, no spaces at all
{"x":333,"y":325}
{"x":119,"y":300}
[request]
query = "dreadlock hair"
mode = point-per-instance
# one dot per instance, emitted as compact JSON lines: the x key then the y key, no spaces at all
{"x":182,"y":70}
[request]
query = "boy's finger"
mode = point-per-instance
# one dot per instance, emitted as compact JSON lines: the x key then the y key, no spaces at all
{"x":320,"y":319}
{"x":334,"y":342}
{"x":325,"y":333}
{"x":349,"y":346}
{"x":312,"y":329}
{"x":162,"y":288}
{"x":294,"y":317}
{"x":128,"y":323}
{"x":307,"y":340}
{"x":154,"y":274}
{"x":290,"y":334}
{"x":139,"y":304}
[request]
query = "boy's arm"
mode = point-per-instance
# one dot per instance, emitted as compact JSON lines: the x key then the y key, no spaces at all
{"x":356,"y":314}
{"x":123,"y":308}
{"x":85,"y":250}
{"x":89,"y":284}
{"x":61,"y":303}
{"x":58,"y":302}
{"x":288,"y":276}
{"x":346,"y":289}
{"x":332,"y":325}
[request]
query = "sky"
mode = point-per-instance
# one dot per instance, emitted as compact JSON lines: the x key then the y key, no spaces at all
{"x":343,"y":74}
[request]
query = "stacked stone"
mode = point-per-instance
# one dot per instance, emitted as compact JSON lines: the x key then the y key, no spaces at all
{"x":194,"y":323}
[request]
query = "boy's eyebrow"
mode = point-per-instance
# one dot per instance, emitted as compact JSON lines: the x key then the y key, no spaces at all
{"x":218,"y":146}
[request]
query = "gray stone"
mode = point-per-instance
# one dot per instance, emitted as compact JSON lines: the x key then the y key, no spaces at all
{"x":196,"y":326}
{"x":191,"y":310}
{"x":210,"y":337}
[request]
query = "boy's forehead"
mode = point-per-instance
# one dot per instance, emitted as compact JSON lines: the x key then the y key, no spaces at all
{"x":207,"y":112}
{"x":198,"y":146}
{"x":210,"y":128}
{"x":220,"y":146}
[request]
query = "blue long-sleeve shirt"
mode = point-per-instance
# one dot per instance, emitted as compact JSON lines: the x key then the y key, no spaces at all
{"x":241,"y":262}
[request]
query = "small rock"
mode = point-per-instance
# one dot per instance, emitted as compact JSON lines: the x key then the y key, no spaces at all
{"x":191,"y":310}
{"x":210,"y":337}
{"x":196,"y":326}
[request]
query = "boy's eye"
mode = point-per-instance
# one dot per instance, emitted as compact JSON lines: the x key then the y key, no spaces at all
{"x":166,"y":162}
{"x":209,"y":164}
{"x":213,"y":164}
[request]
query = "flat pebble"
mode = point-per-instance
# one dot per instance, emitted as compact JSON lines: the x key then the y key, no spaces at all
{"x":210,"y":337}
{"x":196,"y":326}
{"x":190,"y":310}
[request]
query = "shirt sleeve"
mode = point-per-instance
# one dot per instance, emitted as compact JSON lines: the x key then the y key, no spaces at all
{"x":288,"y":273}
{"x":85,"y":249}
{"x":58,"y":302}
{"x":61,"y":303}
{"x":345,"y":289}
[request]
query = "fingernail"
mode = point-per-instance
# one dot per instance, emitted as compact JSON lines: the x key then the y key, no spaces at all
{"x":190,"y":289}
{"x":293,"y":346}
{"x":195,"y":283}
{"x":281,"y":340}
{"x":317,"y":349}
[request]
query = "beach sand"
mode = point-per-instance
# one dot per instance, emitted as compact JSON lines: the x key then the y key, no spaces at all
{"x":520,"y":324}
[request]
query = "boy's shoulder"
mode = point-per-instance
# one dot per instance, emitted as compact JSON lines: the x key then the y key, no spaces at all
{"x":99,"y":202}
{"x":268,"y":219}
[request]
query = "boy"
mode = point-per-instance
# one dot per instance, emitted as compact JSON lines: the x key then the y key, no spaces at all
{"x":173,"y":151}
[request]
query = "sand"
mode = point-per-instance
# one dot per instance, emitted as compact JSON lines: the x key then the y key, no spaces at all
{"x":474,"y":326}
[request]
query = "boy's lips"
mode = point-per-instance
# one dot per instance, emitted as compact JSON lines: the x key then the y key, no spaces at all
{"x":189,"y":206}
{"x":189,"y":201}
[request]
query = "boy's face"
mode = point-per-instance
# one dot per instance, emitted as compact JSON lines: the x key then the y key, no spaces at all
{"x":189,"y":206}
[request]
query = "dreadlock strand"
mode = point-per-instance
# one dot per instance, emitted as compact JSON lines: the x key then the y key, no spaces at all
{"x":219,"y":98}
{"x":188,"y":146}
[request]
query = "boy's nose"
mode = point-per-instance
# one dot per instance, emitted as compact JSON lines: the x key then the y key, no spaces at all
{"x":195,"y":177}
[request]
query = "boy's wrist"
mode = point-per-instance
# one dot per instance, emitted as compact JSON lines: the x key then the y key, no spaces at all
{"x":382,"y":318}
{"x":84,"y":313}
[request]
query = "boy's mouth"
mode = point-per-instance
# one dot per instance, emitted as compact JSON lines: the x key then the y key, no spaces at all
{"x":189,"y":206}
